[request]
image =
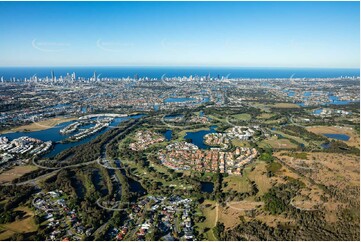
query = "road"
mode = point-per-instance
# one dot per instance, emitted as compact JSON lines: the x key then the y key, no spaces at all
{"x":227,"y":120}
{"x":291,"y":119}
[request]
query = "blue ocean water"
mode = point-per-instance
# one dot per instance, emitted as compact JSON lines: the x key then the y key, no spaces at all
{"x":158,"y":72}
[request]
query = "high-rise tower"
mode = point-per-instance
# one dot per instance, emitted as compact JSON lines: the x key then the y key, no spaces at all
{"x":52,"y":76}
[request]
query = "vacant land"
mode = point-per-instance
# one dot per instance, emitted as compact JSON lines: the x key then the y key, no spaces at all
{"x":230,"y":217}
{"x":41,"y":125}
{"x":15,"y":172}
{"x":24,"y":225}
{"x":245,"y":205}
{"x":274,"y":220}
{"x":276,"y":143}
{"x":285,"y":105}
{"x":354,"y":136}
{"x":339,"y":170}
{"x":236,"y":183}
{"x":209,"y":210}
{"x":259,"y":175}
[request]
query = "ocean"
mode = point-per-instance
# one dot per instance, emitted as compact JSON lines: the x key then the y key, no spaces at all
{"x":158,"y":72}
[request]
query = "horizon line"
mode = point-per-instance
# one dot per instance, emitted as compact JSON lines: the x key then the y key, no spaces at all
{"x":181,"y":66}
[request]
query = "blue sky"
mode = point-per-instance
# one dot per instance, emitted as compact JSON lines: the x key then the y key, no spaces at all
{"x":247,"y":34}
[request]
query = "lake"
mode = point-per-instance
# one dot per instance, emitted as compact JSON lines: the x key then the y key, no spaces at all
{"x":207,"y":187}
{"x":342,"y":137}
{"x":198,"y":137}
{"x":168,"y":134}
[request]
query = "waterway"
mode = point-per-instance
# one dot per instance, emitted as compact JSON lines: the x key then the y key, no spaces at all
{"x":333,"y":100}
{"x":53,"y":134}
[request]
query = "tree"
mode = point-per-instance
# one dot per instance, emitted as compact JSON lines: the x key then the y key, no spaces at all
{"x":218,"y":230}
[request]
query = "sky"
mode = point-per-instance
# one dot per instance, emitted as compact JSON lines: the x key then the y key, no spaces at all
{"x":244,"y":34}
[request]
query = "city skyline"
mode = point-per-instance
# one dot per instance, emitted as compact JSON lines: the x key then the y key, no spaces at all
{"x":234,"y":34}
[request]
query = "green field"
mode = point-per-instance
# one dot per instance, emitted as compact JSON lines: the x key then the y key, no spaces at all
{"x":265,"y":116}
{"x":242,"y":117}
{"x":237,"y":183}
{"x":220,"y":119}
{"x":296,"y":138}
